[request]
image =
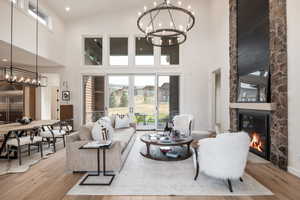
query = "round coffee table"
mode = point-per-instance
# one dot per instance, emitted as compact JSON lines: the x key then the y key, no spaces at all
{"x":181,"y":147}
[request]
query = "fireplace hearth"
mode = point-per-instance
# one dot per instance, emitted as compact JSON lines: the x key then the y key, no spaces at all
{"x":257,"y":125}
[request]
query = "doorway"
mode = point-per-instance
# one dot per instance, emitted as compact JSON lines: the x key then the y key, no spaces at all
{"x":217,"y":100}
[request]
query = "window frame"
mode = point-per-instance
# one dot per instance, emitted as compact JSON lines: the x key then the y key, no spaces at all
{"x":83,"y":37}
{"x":129,"y":55}
{"x":171,"y":65}
{"x":134,"y":54}
{"x":26,"y":8}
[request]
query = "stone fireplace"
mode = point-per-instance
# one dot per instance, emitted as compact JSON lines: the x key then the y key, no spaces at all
{"x":275,"y":104}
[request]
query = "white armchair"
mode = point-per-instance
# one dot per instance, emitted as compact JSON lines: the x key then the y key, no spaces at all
{"x":223,"y":157}
{"x":183,"y":123}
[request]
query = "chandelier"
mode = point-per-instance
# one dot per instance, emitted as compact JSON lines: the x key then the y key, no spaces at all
{"x":166,"y":24}
{"x":17,"y":75}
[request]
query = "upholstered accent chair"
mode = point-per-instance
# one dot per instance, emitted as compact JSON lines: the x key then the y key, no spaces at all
{"x":223,"y":157}
{"x":183,"y":123}
{"x":19,"y":142}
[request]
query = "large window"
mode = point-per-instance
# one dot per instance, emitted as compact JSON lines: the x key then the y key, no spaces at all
{"x":144,"y":53}
{"x":169,"y":55}
{"x":93,"y":48}
{"x":118,"y":51}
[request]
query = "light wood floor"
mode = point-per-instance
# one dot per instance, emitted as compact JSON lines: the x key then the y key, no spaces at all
{"x":48,"y":181}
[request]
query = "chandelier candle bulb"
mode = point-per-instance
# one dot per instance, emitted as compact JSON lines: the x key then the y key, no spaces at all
{"x":145,"y":8}
{"x":179,"y":3}
{"x":154,"y":3}
{"x":189,"y":7}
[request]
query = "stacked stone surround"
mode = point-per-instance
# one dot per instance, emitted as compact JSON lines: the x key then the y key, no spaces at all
{"x":279,"y":78}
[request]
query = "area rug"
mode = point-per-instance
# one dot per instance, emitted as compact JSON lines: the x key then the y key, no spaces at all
{"x":142,"y":176}
{"x":12,"y":166}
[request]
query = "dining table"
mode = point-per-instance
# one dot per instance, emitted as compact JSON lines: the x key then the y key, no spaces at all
{"x":17,"y":130}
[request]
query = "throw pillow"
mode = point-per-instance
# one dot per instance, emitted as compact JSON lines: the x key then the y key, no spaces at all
{"x":98,"y":132}
{"x":122,"y":121}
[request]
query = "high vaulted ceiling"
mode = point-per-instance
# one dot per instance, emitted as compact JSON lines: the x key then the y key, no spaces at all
{"x":83,"y":8}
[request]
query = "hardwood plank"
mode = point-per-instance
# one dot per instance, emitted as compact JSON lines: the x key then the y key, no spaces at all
{"x":48,"y":181}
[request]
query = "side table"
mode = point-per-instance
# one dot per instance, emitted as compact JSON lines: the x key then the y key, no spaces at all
{"x":104,"y":148}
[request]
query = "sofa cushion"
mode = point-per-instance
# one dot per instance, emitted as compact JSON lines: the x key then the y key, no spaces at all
{"x":99,"y":127}
{"x":85,"y":133}
{"x":123,"y":136}
{"x":122,"y":121}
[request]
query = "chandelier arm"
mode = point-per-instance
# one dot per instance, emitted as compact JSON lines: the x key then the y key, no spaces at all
{"x":151,"y":19}
{"x":172,"y":19}
{"x":157,"y":13}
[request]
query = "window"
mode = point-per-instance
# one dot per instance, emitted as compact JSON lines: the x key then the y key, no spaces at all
{"x":93,"y":48}
{"x":169,"y":55}
{"x":42,"y":17}
{"x":168,"y":99}
{"x":118,"y":51}
{"x":143,"y":52}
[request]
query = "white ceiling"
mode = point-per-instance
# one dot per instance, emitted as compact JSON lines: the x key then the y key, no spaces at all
{"x":82,"y":8}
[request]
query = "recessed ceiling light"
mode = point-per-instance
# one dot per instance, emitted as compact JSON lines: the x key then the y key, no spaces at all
{"x":67,"y":8}
{"x":4,"y":60}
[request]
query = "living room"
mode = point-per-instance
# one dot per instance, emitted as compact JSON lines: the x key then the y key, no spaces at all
{"x":145,"y":99}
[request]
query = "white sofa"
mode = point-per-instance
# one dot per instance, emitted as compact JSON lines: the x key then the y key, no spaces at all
{"x":223,"y":157}
{"x":86,"y":160}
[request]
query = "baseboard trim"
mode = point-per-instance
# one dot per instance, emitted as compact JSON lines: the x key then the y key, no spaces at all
{"x":294,"y":171}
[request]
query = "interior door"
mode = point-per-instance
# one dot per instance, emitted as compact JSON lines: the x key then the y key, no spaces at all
{"x":144,"y":101}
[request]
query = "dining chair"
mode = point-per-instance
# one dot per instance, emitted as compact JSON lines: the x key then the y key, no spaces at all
{"x":51,"y":135}
{"x":18,"y":142}
{"x":64,"y":125}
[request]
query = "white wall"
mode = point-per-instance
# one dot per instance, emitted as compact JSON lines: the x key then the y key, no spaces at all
{"x":51,"y":42}
{"x":194,"y":66}
{"x":219,"y":55}
{"x":293,"y":27}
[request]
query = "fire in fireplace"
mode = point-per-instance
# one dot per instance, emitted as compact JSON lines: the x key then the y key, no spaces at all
{"x":257,"y":124}
{"x":256,"y":142}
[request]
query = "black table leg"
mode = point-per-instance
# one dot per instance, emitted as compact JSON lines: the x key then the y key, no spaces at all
{"x":98,"y":172}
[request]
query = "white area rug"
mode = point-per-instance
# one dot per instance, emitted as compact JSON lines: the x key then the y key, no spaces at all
{"x":12,"y":166}
{"x":142,"y":176}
